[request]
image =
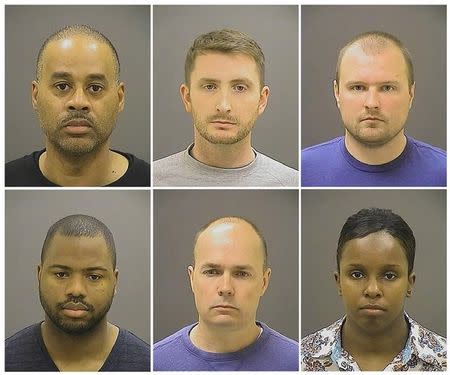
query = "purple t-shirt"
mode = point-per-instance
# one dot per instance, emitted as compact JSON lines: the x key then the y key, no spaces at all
{"x":330,"y":164}
{"x":270,"y":352}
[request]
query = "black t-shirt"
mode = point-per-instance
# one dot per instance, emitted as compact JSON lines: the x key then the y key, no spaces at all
{"x":25,"y":172}
{"x":26,"y":351}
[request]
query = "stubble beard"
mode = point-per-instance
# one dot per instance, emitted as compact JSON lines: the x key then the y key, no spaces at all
{"x":73,"y":146}
{"x":242,"y":132}
{"x":76,"y":328}
{"x":369,"y":142}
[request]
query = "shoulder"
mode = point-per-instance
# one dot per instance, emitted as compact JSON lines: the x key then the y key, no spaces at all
{"x":322,"y":341}
{"x":171,"y":160}
{"x":428,"y":345}
{"x":171,"y":352}
{"x":137,"y":174}
{"x":322,"y":149}
{"x":24,"y":171}
{"x":286,"y":176}
{"x":23,"y":350}
{"x":281,"y":340}
{"x":130,"y":353}
{"x":425,"y":148}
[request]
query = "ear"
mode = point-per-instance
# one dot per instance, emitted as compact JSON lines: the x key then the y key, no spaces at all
{"x":337,"y":278}
{"x":39,"y":272}
{"x":186,"y":97}
{"x":412,"y":91}
{"x":190,"y":271}
{"x":336,"y":93}
{"x":121,"y":95}
{"x":266,"y":280}
{"x":263,"y":98}
{"x":411,"y":282}
{"x":116,"y":280}
{"x":34,"y":93}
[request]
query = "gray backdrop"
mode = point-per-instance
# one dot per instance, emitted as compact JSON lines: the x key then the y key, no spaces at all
{"x":326,"y":29}
{"x":29,"y":214}
{"x":323,"y":215}
{"x":179,"y":214}
{"x":275,"y":28}
{"x":128,"y":28}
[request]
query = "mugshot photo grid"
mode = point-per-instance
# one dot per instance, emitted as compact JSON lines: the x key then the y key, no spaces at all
{"x":202,"y":192}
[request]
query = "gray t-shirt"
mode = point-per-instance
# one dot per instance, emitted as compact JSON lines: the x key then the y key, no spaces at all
{"x":181,"y":169}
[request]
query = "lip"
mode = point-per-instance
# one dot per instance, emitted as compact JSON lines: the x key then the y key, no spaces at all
{"x":371,"y":118}
{"x":227,"y":307}
{"x":77,"y":126}
{"x":372,"y":309}
{"x":74,"y":310}
{"x":75,"y":306}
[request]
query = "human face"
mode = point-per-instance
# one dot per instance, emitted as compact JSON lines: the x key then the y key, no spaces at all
{"x":228,"y":278}
{"x":225,"y":97}
{"x":77,"y":97}
{"x":373,"y":282}
{"x":373,"y":95}
{"x":76,"y":283}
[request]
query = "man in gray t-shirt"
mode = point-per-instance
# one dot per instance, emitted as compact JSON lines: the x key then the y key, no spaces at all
{"x":225,"y":92}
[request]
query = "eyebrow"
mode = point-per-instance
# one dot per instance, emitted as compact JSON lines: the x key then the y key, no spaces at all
{"x":66,"y":75}
{"x":233,"y":81}
{"x":95,"y":268}
{"x":238,"y":267}
{"x":359,"y":265}
{"x":378,"y":83}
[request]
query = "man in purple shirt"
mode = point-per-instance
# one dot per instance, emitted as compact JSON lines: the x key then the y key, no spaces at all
{"x":374,"y":90}
{"x":228,"y":277}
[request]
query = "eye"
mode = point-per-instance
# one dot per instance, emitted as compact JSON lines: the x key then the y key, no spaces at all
{"x":240,"y":88}
{"x":62,"y":86}
{"x":390,"y":276}
{"x":61,"y":275}
{"x":94,"y":88}
{"x":357,"y":88}
{"x":94,"y":277}
{"x":387,"y":88}
{"x":209,"y":87}
{"x":242,"y":274}
{"x":357,"y":275}
{"x":211,"y":272}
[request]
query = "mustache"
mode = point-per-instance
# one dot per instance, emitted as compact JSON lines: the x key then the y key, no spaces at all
{"x":88,"y":306}
{"x":223,"y":117}
{"x":76,"y":115}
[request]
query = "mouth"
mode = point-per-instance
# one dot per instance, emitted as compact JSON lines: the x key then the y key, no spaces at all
{"x":371,"y":118}
{"x":77,"y":126}
{"x":224,"y":307}
{"x":75,"y":310}
{"x":372,"y":309}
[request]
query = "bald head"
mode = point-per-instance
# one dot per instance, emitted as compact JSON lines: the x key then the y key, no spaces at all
{"x":373,"y":43}
{"x":231,"y":232}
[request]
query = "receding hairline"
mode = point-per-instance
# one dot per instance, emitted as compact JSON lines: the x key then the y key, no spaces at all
{"x":84,"y":31}
{"x":373,"y":43}
{"x":233,"y":220}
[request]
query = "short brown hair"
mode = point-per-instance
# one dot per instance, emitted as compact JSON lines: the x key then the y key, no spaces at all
{"x":376,"y":40}
{"x":224,"y":41}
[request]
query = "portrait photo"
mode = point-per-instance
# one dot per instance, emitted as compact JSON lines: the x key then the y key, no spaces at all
{"x":275,"y":132}
{"x":37,"y":116}
{"x":78,"y":218}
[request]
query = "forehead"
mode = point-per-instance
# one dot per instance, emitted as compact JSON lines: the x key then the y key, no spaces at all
{"x":229,"y":244}
{"x":77,"y":252}
{"x":381,"y":64}
{"x":224,"y":67}
{"x":78,"y":54}
{"x":374,"y":250}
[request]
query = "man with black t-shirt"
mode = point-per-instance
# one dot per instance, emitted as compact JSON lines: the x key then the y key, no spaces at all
{"x":77,"y":95}
{"x":77,"y":279}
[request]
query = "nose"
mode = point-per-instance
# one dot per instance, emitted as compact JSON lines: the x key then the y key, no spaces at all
{"x":225,"y":287}
{"x":76,"y":286}
{"x":372,"y":100}
{"x":78,"y":101}
{"x":223,"y":104}
{"x":372,"y":289}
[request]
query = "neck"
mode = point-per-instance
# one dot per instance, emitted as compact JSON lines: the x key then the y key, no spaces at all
{"x":376,"y":154}
{"x":66,"y":348}
{"x":223,"y":339}
{"x":383,"y":345}
{"x":235,"y":155}
{"x":97,"y":168}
